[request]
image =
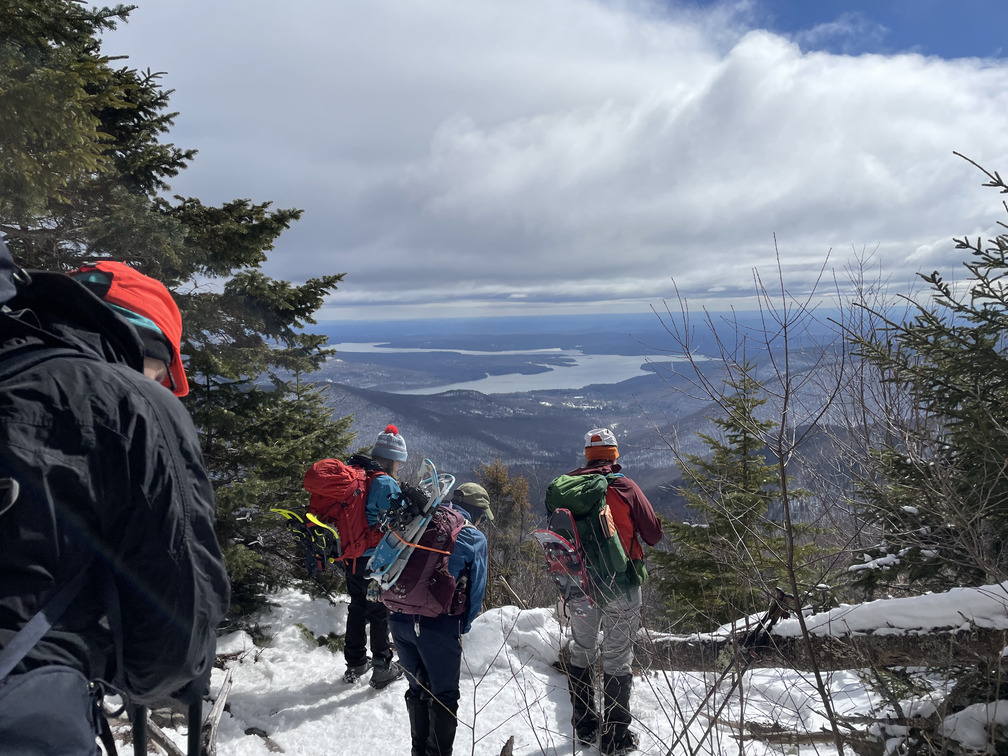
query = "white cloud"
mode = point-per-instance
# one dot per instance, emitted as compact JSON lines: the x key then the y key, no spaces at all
{"x":559,"y":150}
{"x":850,"y":32}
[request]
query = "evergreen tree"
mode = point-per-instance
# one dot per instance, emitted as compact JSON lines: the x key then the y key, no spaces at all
{"x":939,"y":492}
{"x":53,"y":86}
{"x":83,"y":176}
{"x":722,"y":566}
{"x":508,"y":497}
{"x":512,"y":554}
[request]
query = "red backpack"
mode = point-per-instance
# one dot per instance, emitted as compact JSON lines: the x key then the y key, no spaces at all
{"x":339,"y":493}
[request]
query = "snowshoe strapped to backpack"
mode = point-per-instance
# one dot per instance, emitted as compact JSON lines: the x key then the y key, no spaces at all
{"x":585,"y":497}
{"x":404,"y":522}
{"x":565,"y":561}
{"x":339,"y":493}
{"x":425,"y":586}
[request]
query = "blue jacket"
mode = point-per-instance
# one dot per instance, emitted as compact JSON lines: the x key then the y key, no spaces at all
{"x":470,"y":552}
{"x":382,"y":487}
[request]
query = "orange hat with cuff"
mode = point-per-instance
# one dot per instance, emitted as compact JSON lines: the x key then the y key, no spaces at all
{"x":600,"y":443}
{"x":128,"y":289}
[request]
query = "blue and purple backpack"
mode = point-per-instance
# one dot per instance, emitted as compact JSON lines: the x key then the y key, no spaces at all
{"x":426,"y":587}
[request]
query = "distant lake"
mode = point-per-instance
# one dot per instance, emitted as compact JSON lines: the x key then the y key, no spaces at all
{"x":584,"y":370}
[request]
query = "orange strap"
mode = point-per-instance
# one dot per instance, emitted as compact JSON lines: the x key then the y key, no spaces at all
{"x":417,"y":545}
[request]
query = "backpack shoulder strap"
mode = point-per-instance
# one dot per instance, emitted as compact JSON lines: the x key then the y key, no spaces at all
{"x":365,"y":462}
{"x":464,"y":524}
{"x":11,"y":363}
{"x":43,"y":620}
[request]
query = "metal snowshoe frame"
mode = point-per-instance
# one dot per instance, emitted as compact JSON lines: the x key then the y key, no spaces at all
{"x":565,"y":561}
{"x":404,"y":522}
{"x":322,"y":540}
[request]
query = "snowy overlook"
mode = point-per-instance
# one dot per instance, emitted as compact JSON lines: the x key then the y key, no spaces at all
{"x":287,"y":695}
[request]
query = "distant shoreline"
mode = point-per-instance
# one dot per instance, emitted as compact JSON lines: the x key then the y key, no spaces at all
{"x":526,"y":369}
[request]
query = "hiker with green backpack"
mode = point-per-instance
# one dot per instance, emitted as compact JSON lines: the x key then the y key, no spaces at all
{"x":610,"y":512}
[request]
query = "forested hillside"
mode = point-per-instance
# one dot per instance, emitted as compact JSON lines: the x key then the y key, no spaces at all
{"x":538,"y":435}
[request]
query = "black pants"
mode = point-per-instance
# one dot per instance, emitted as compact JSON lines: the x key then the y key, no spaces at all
{"x":361,"y":613}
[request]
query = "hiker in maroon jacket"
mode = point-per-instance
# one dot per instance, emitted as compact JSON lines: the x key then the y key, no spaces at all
{"x":619,"y":617}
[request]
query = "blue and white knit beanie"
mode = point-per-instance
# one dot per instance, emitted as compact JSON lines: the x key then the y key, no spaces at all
{"x":390,"y":445}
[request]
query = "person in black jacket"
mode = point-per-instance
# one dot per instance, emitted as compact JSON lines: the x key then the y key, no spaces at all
{"x":105,"y":508}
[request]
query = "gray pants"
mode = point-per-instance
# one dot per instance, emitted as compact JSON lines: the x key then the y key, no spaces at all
{"x":619,"y":621}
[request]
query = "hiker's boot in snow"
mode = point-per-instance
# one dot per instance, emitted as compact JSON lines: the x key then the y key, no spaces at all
{"x":354,"y":671}
{"x":419,"y":722}
{"x":582,"y":695}
{"x":385,"y":673}
{"x":617,"y":739}
{"x":619,"y":743}
{"x":443,"y":722}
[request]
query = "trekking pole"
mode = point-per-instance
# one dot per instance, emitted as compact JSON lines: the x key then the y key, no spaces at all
{"x":776,"y":612}
{"x":195,"y":741}
{"x":139,"y":731}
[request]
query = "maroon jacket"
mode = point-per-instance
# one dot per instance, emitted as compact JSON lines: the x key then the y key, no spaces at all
{"x":631,"y":510}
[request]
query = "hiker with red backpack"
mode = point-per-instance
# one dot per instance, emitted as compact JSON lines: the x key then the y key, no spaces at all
{"x":431,"y":606}
{"x":616,"y":610}
{"x":351,"y":496}
{"x":111,"y":577}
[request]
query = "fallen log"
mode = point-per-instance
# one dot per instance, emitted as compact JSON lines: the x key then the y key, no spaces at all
{"x":208,"y":731}
{"x":882,"y":648}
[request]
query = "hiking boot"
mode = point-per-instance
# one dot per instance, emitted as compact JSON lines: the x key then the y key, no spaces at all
{"x":618,"y":742}
{"x":443,"y":723}
{"x":582,"y":694}
{"x":587,"y":737}
{"x":617,"y":739}
{"x":354,"y":672}
{"x":385,"y":673}
{"x":417,"y":706}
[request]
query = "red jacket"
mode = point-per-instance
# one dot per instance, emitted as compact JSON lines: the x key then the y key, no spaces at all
{"x":632,"y":512}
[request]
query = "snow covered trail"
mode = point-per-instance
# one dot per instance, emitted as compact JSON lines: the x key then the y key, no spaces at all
{"x":291,"y":689}
{"x":288,"y":696}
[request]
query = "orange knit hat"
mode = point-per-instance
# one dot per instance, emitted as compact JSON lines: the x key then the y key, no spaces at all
{"x":120,"y":285}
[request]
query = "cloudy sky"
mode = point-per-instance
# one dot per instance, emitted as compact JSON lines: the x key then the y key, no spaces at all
{"x":485,"y":157}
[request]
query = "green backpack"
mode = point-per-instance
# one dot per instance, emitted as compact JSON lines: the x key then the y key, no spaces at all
{"x":585,"y":497}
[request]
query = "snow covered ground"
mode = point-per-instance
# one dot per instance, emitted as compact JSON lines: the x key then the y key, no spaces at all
{"x":288,"y":695}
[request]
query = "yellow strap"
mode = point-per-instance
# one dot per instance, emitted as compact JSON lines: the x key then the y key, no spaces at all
{"x":313,"y":519}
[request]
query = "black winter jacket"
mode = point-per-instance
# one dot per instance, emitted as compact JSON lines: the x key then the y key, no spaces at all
{"x":110,"y":474}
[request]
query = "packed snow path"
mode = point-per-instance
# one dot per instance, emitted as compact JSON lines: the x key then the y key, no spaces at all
{"x":288,"y":696}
